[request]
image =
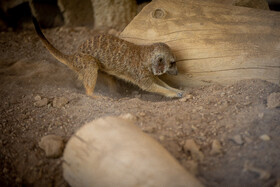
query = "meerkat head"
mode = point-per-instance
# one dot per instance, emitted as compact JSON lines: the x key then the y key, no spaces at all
{"x":163,"y":61}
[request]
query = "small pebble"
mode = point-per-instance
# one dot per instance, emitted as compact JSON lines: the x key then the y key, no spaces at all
{"x":260,"y":115}
{"x":187,"y":97}
{"x":183,"y":99}
{"x":265,"y":137}
{"x":52,"y":145}
{"x":41,"y":103}
{"x":216,"y":148}
{"x":273,"y":100}
{"x":238,"y":139}
{"x":149,"y":129}
{"x":194,"y":149}
{"x":37,"y":98}
{"x":128,"y":116}
{"x":59,"y":102}
{"x":161,"y":138}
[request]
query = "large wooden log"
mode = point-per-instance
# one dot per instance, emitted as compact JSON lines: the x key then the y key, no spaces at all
{"x":212,"y":42}
{"x":114,"y":152}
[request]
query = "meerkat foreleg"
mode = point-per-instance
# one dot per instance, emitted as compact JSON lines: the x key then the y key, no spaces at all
{"x":154,"y":85}
{"x":155,"y":88}
{"x":162,"y":83}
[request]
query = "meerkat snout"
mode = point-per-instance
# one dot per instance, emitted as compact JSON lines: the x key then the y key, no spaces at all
{"x":172,"y":70}
{"x":163,"y":61}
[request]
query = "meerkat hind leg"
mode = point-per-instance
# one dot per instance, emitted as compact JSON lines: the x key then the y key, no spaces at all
{"x":109,"y":80}
{"x":89,"y":74}
{"x":89,"y":82}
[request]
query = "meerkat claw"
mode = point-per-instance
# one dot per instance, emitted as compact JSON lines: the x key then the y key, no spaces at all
{"x":180,"y":94}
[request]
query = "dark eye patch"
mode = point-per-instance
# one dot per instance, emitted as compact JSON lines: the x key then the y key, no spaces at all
{"x":172,"y":63}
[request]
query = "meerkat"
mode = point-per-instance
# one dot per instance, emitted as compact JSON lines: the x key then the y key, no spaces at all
{"x":139,"y":64}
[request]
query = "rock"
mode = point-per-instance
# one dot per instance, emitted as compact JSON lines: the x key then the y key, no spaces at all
{"x":59,"y":102}
{"x":37,"y":98}
{"x":191,"y":166}
{"x":128,"y":116}
{"x":260,"y":115}
{"x":194,"y":149}
{"x":149,"y":129}
{"x":142,"y":114}
{"x":41,"y":103}
{"x":264,"y":137}
{"x":263,"y":175}
{"x":187,"y":97}
{"x":216,"y":148}
{"x":273,"y":100}
{"x":183,"y":99}
{"x":161,"y":138}
{"x":238,"y":139}
{"x":52,"y":145}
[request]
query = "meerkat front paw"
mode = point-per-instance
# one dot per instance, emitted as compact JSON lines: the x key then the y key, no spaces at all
{"x":180,"y":94}
{"x":175,"y":95}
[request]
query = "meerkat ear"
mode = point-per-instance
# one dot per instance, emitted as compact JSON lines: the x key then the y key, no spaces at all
{"x":158,"y":66}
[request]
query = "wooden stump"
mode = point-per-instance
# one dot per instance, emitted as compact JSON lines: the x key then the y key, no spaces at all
{"x":114,"y":152}
{"x":213,"y":43}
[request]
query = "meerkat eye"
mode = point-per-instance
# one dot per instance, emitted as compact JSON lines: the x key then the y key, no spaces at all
{"x":172,"y":63}
{"x":160,"y":60}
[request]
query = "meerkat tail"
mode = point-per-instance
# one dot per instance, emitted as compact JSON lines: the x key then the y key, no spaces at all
{"x":56,"y":53}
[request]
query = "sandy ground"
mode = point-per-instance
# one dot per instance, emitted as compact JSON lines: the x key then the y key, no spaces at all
{"x":233,"y":116}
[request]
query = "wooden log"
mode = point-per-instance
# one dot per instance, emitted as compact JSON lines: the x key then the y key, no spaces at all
{"x":213,"y":43}
{"x":114,"y":152}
